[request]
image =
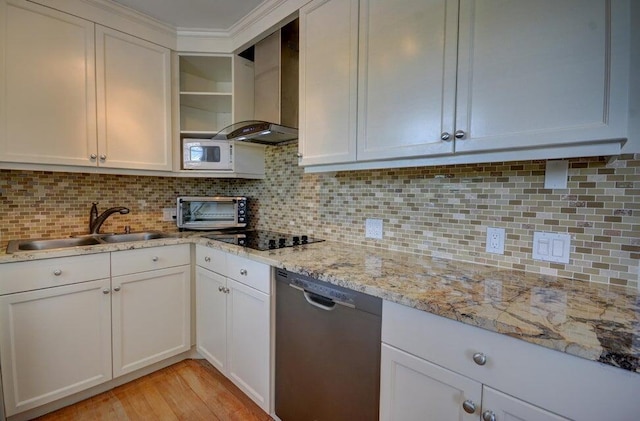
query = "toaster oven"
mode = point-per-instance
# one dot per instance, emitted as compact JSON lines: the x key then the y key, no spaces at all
{"x":211,"y":213}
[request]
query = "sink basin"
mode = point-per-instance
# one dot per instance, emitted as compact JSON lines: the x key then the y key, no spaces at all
{"x":27,"y":245}
{"x":134,"y":236}
{"x":84,"y":240}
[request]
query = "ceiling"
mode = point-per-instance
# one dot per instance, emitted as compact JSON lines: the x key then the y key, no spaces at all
{"x":195,"y":14}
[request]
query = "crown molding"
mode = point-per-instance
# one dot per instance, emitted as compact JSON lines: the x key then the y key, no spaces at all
{"x":119,"y":17}
{"x":269,"y":16}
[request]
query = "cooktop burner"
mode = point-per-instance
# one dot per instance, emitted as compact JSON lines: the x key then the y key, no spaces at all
{"x":262,"y":240}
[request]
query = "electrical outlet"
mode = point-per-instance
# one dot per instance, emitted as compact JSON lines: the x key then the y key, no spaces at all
{"x":495,"y":240}
{"x":373,"y":228}
{"x":169,"y":214}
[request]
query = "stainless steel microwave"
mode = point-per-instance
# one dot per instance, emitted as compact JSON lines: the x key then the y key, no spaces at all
{"x":207,"y":154}
{"x":211,"y":213}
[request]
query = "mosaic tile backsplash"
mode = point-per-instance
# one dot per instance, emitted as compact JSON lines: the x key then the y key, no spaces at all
{"x":433,"y":211}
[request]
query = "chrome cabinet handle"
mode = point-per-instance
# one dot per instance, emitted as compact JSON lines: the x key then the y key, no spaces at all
{"x":445,"y":136}
{"x":207,"y":259}
{"x":243,"y":272}
{"x":103,"y":157}
{"x":105,"y":291}
{"x":116,"y":289}
{"x":57,"y":272}
{"x":488,"y":416}
{"x":93,"y":156}
{"x":220,"y":289}
{"x":227,"y":290}
{"x":299,"y":155}
{"x":154,"y":258}
{"x":468,"y":406}
{"x":479,"y":358}
{"x":460,"y":134}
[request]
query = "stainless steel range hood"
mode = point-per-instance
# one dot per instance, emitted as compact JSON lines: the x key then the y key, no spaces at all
{"x":256,"y":131}
{"x":275,"y":92}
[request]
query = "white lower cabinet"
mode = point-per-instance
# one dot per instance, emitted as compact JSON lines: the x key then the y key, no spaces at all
{"x":233,"y":320}
{"x":55,"y":335}
{"x":66,"y":325}
{"x":435,"y":368}
{"x":151,"y":306}
{"x":415,"y":389}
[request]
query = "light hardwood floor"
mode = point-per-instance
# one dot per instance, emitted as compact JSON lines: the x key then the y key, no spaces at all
{"x":188,"y":390}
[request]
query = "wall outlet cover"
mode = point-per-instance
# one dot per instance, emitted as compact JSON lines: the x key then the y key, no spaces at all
{"x":373,"y":229}
{"x":169,"y":214}
{"x":495,"y":240}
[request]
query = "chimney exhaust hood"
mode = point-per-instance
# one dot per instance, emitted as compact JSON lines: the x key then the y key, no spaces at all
{"x":275,"y":92}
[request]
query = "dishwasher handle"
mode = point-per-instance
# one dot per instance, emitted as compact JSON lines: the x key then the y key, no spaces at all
{"x":320,"y":301}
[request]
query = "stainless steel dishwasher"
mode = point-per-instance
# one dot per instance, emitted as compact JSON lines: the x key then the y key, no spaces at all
{"x":327,"y":351}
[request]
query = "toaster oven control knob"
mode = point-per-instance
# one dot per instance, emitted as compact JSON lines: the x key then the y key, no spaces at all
{"x":242,"y":203}
{"x":241,"y":211}
{"x":240,"y":219}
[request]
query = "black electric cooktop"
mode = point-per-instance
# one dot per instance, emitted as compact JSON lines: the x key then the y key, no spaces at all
{"x":261,"y":240}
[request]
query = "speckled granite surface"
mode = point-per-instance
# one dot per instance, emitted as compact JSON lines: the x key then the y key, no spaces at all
{"x":597,"y":322}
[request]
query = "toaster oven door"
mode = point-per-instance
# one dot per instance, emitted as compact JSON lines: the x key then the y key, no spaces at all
{"x":208,"y":214}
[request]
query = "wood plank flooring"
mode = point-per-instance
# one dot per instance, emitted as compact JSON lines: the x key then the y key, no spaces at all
{"x":188,"y":390}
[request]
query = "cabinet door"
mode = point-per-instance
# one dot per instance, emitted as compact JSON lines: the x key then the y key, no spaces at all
{"x":413,"y":389}
{"x":47,"y":86}
{"x":54,"y":342}
{"x":151,"y":317}
{"x":328,"y":81}
{"x":211,"y":317}
{"x":524,"y":84}
{"x":134,"y":102}
{"x":407,"y":77}
{"x":248,"y":333}
{"x":508,"y":408}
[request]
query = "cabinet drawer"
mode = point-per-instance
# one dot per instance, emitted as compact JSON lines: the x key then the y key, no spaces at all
{"x":46,"y":273}
{"x":212,"y":259}
{"x":249,"y":272}
{"x":532,"y":373}
{"x":141,"y":260}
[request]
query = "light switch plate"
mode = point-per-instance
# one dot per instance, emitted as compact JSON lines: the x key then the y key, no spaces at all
{"x":551,"y":247}
{"x":373,"y":229}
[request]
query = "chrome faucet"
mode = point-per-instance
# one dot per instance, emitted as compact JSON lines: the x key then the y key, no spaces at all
{"x":95,"y":221}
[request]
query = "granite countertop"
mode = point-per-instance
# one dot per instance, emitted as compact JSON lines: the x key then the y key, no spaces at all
{"x":596,"y":322}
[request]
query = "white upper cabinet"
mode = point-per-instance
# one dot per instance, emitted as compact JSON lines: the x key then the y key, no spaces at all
{"x":463,"y":81}
{"x":78,"y":94}
{"x":532,"y":74}
{"x":328,"y":81}
{"x":47,"y":86}
{"x":134,"y":102}
{"x":407,"y":77}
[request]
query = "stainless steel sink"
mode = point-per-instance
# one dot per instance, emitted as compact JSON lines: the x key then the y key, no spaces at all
{"x":16,"y":246}
{"x":134,"y":236}
{"x":30,"y":245}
